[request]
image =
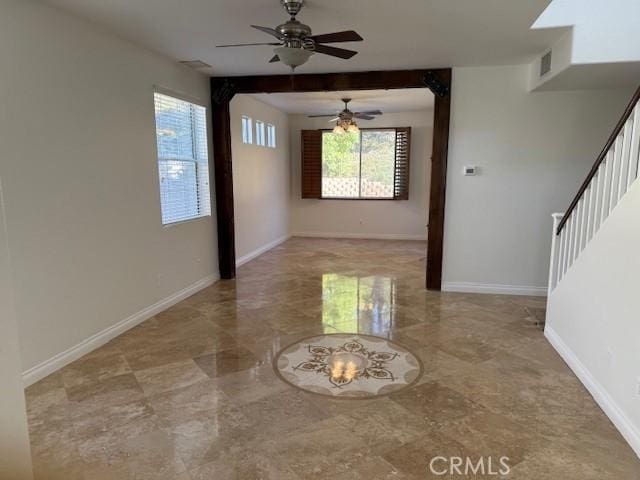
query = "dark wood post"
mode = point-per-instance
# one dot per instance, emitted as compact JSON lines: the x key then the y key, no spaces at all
{"x":221,"y":94}
{"x":440,"y":84}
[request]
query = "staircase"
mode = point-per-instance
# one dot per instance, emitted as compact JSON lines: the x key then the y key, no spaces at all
{"x":615,"y":171}
{"x":593,"y":313}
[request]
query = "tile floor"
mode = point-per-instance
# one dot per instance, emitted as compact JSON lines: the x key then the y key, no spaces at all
{"x":190,"y":394}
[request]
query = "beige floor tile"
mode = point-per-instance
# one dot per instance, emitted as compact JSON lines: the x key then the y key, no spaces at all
{"x":191,"y":393}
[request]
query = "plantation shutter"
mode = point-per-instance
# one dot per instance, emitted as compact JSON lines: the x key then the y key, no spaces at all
{"x":311,"y":164}
{"x":401,"y":174}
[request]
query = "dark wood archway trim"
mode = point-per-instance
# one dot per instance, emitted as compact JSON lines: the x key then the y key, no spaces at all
{"x":224,"y":88}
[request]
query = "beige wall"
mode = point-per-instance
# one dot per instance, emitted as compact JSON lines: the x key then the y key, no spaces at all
{"x":81,"y":180}
{"x":260,"y":180}
{"x":592,"y":316}
{"x":15,"y":453}
{"x":365,"y":218}
{"x":533,"y":151}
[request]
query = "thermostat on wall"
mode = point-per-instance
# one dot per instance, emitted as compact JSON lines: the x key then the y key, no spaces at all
{"x":470,"y":171}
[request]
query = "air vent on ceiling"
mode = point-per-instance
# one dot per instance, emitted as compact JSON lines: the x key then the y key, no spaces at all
{"x":545,"y":63}
{"x":195,"y":64}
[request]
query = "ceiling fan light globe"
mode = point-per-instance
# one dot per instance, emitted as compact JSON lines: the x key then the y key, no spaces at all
{"x":292,"y":57}
{"x":353,"y":128}
{"x":338,"y":129}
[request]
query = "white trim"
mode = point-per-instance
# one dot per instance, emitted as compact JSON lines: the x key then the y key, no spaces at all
{"x":259,"y":251}
{"x":363,"y":236}
{"x":468,"y":287}
{"x":628,"y":430}
{"x":58,"y":361}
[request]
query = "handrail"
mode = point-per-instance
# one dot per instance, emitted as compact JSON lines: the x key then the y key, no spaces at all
{"x":600,"y":159}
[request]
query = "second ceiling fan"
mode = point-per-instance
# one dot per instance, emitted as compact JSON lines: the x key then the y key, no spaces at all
{"x":345,"y":120}
{"x":296,"y":43}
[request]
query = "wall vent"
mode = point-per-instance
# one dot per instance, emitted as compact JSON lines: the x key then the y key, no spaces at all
{"x":195,"y":64}
{"x":545,"y":63}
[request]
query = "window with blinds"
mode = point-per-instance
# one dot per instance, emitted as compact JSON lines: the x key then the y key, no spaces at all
{"x":370,"y":164}
{"x":260,"y":135}
{"x":183,"y":162}
{"x":271,"y":135}
{"x":247,"y":130}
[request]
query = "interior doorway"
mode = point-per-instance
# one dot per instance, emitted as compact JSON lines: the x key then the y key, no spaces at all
{"x":223,"y":90}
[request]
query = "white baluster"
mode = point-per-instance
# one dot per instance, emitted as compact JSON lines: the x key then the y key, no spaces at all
{"x":635,"y":147}
{"x":555,"y":249}
{"x":624,"y":158}
{"x":593,"y":189}
{"x":606,"y":187}
{"x":615,"y":172}
{"x":578,"y":225}
{"x":563,"y":254}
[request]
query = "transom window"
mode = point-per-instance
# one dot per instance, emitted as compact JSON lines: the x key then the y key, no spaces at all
{"x":271,"y":135}
{"x":247,"y":130}
{"x":183,"y":162}
{"x":260,"y":136}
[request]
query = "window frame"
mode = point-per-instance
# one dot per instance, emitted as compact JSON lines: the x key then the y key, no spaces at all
{"x":359,"y":198}
{"x":271,"y":135}
{"x":261,"y":138}
{"x":247,"y":130}
{"x":200,"y":190}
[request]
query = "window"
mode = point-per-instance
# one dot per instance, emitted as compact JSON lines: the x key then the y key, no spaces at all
{"x":271,"y":135}
{"x":247,"y":130}
{"x":370,"y":164}
{"x":260,"y":133}
{"x":183,"y":163}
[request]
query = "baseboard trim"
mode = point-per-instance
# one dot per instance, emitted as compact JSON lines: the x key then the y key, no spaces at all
{"x":628,"y":430}
{"x":468,"y":287}
{"x":58,"y":361}
{"x":259,"y":251}
{"x":362,"y":236}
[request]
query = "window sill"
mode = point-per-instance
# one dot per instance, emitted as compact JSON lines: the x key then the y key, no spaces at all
{"x":366,"y":199}
{"x":186,"y":220}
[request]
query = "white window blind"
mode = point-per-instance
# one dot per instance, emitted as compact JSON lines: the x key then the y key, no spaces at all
{"x":183,"y":162}
{"x":247,"y":130}
{"x":260,"y":133}
{"x":271,"y":135}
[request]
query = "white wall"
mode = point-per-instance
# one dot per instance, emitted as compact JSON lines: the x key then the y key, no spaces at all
{"x":604,"y":31}
{"x":81,"y":181}
{"x":533,"y":151}
{"x":592,"y":316}
{"x":260,"y":180}
{"x":15,"y":452}
{"x":403,"y":219}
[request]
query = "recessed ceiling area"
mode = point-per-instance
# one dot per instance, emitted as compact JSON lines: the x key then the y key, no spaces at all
{"x":389,"y":101}
{"x":397,"y":35}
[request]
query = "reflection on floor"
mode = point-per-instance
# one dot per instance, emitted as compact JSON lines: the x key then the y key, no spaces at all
{"x":191,"y":393}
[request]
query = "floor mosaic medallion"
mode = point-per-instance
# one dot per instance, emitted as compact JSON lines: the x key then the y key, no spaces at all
{"x":348,"y":366}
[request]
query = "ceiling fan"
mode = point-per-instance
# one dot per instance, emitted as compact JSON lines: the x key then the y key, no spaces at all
{"x":295,"y":42}
{"x":345,"y":119}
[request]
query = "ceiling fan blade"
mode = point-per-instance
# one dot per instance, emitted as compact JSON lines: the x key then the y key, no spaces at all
{"x":245,"y":44}
{"x":274,"y":59}
{"x":270,"y":31}
{"x":370,"y":112}
{"x":321,"y":116}
{"x":335,"y":52}
{"x":346,"y":36}
{"x":363,"y":117}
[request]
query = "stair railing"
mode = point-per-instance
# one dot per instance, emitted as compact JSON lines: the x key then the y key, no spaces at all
{"x":613,"y":173}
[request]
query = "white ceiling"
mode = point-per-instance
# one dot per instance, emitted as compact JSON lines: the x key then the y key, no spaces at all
{"x":398,"y":34}
{"x":389,"y":101}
